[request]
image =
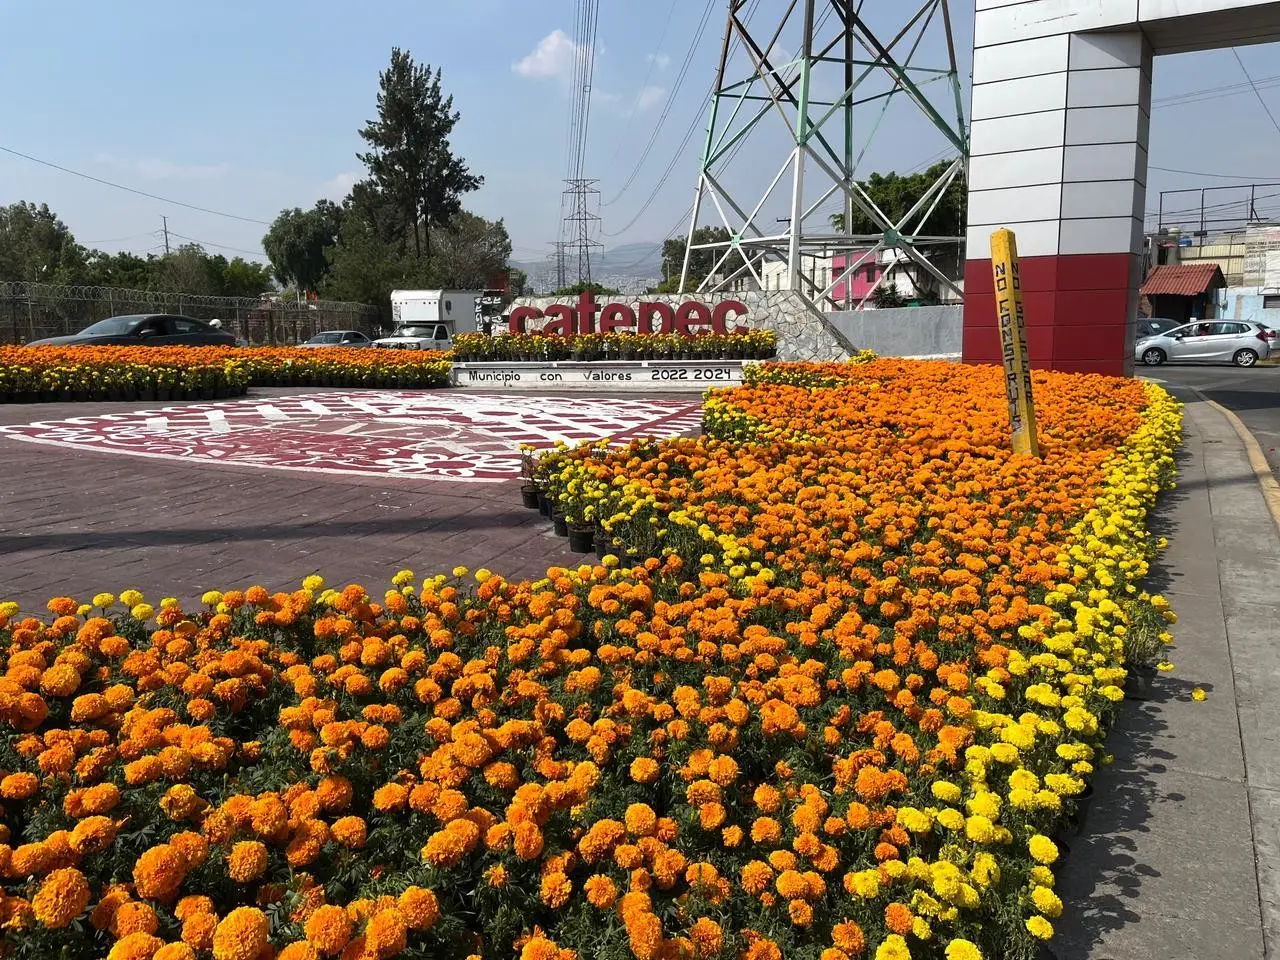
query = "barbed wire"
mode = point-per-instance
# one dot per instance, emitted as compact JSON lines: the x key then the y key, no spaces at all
{"x":30,"y":311}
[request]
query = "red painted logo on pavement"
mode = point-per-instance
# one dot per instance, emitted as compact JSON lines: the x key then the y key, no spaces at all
{"x":441,"y":436}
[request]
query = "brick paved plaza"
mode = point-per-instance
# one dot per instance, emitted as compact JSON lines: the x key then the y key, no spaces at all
{"x":75,"y":521}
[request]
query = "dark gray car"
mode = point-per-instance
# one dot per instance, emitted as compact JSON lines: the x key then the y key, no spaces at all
{"x":146,"y":330}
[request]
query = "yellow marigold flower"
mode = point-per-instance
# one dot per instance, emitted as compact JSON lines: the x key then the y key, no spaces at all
{"x":1047,"y":902}
{"x":62,"y":897}
{"x":1040,"y":928}
{"x":131,"y":597}
{"x":979,"y":829}
{"x":1042,"y":849}
{"x":963,"y":950}
{"x":945,"y":791}
{"x":103,"y":600}
{"x":1198,"y":694}
{"x":893,"y":948}
{"x":313,"y":583}
{"x":142,"y":611}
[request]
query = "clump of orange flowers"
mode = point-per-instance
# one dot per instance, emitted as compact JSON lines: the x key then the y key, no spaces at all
{"x":851,"y":675}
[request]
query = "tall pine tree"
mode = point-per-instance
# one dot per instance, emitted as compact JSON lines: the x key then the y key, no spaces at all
{"x":410,"y":159}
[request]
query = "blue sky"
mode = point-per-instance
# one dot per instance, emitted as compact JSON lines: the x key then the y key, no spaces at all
{"x":248,"y":108}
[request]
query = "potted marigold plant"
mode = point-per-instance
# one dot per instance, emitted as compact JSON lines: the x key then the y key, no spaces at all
{"x":1145,"y":637}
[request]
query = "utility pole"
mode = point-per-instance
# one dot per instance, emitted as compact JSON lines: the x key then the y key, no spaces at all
{"x":165,"y":220}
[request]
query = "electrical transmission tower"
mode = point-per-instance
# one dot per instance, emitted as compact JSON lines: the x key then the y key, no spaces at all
{"x":558,"y":264}
{"x":582,"y":224}
{"x":801,"y":77}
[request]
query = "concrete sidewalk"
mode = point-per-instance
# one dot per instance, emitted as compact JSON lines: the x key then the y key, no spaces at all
{"x":1180,"y":854}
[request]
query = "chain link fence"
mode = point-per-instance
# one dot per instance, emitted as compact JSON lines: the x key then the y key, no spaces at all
{"x":32,"y":311}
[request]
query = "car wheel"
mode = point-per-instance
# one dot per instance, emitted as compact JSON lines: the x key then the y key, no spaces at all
{"x":1244,"y":358}
{"x":1153,"y":357}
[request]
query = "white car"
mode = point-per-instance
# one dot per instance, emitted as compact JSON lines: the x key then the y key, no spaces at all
{"x":417,"y":336}
{"x":1241,"y":342}
{"x":338,"y":338}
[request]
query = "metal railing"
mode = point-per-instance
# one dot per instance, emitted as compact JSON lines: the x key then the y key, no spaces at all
{"x":32,"y":311}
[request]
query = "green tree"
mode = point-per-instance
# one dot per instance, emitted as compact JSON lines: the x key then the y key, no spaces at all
{"x":410,"y":159}
{"x":471,"y":252}
{"x":895,"y":194}
{"x":126,"y":270}
{"x":581,"y":287}
{"x":701,"y":262}
{"x":186,"y":270}
{"x":297,"y":241}
{"x":244,"y":278}
{"x":36,"y":246}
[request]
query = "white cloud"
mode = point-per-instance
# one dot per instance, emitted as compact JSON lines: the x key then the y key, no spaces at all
{"x":649,"y":97}
{"x":553,"y":57}
{"x":337,"y":187}
{"x":155,"y":168}
{"x":660,"y":60}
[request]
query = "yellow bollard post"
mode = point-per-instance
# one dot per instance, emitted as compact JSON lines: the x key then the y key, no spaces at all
{"x":1013,"y":342}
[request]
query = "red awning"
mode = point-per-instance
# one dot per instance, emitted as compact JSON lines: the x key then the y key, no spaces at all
{"x":1183,"y":280}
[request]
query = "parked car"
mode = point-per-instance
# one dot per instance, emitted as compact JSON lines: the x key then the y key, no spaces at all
{"x":144,"y":329}
{"x":417,"y":336}
{"x":1153,"y":327}
{"x":338,"y":338}
{"x":1243,"y":343}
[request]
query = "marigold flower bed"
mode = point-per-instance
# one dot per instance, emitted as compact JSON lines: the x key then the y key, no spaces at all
{"x":29,"y":374}
{"x":476,"y":347}
{"x":841,"y":715}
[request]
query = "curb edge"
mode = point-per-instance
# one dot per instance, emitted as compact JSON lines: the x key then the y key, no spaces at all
{"x":1257,"y":459}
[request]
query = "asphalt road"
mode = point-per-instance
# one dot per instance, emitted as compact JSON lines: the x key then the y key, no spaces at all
{"x":1254,"y":396}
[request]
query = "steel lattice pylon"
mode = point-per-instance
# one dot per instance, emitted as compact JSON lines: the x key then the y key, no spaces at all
{"x":841,"y":67}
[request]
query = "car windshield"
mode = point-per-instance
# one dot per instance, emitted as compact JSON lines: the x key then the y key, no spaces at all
{"x":324,"y":338}
{"x":414,"y":330}
{"x":112,"y":326}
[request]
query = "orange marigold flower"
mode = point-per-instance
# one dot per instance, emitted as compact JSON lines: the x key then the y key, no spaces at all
{"x":136,"y":946}
{"x":19,"y":786}
{"x":241,"y":935}
{"x":898,"y":918}
{"x":133,"y":917}
{"x":247,"y":861}
{"x":419,"y":907}
{"x":62,"y":897}
{"x":386,"y":933}
{"x":159,"y":873}
{"x":328,"y":929}
{"x":174,"y":951}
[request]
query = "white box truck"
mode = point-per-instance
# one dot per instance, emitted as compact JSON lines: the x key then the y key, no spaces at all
{"x":429,"y":319}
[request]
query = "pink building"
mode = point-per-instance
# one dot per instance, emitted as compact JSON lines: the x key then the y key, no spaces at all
{"x":860,"y":282}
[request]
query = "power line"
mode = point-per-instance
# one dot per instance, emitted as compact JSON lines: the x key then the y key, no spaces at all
{"x":1216,"y":176}
{"x":220,"y":246}
{"x":1256,"y":92}
{"x":121,"y":186}
{"x":666,"y":109}
{"x":622,"y":140}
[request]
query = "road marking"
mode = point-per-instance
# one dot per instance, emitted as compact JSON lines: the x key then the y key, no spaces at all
{"x":272,"y":413}
{"x":158,"y":424}
{"x":218,"y":421}
{"x":315,"y":406}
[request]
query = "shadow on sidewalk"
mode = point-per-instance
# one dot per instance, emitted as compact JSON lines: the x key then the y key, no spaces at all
{"x":1101,"y":881}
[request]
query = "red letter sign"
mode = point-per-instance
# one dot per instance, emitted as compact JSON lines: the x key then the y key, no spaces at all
{"x":692,"y":314}
{"x":616,"y":316}
{"x":650,"y":310}
{"x":562,"y":325}
{"x":518,"y":317}
{"x":720,"y":316}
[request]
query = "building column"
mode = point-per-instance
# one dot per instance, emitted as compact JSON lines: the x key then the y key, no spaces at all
{"x":1059,"y":156}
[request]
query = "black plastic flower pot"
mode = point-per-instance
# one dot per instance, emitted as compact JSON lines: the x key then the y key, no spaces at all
{"x":581,"y":539}
{"x":544,"y":504}
{"x":602,"y":545}
{"x":1139,"y":682}
{"x":560,"y":525}
{"x":1083,"y":801}
{"x":529,"y":497}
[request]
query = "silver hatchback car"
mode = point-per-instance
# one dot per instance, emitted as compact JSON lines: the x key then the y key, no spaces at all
{"x":1241,"y":342}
